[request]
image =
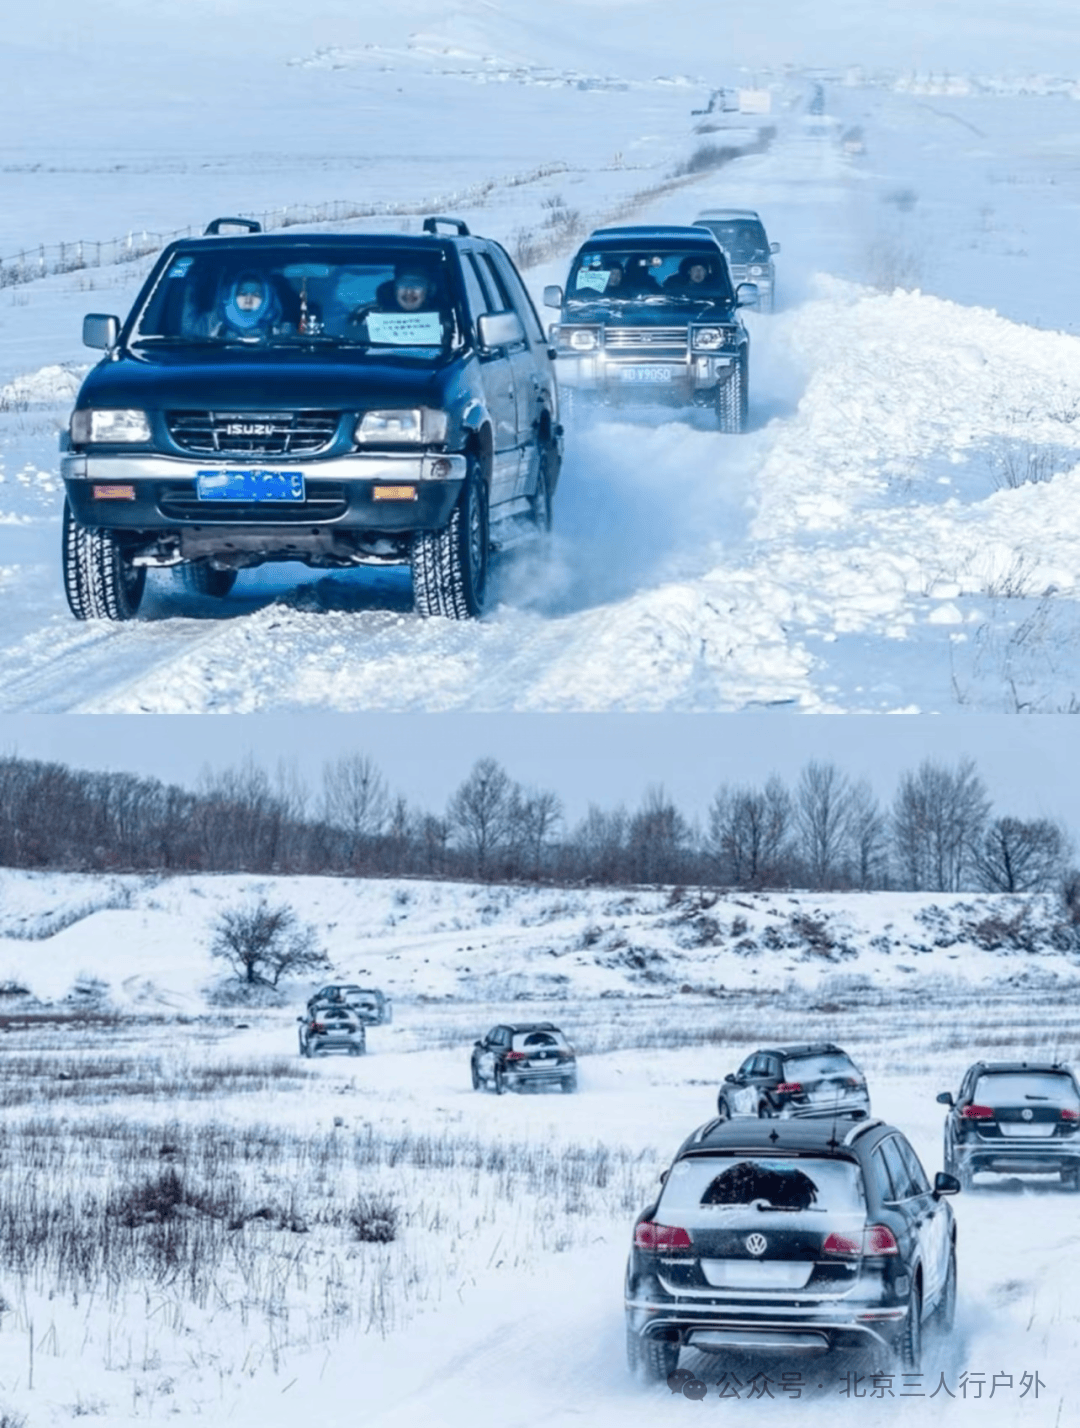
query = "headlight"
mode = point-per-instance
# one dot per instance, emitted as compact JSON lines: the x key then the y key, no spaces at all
{"x":416,"y":426}
{"x":756,"y":271}
{"x":581,"y":339}
{"x":705,"y":339}
{"x":88,"y":425}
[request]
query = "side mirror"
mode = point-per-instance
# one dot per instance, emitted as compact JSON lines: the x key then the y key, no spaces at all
{"x":663,"y":1177}
{"x":747,"y":295}
{"x":478,"y":1046}
{"x":553,"y":295}
{"x":774,"y":247}
{"x":499,"y":329}
{"x":729,"y":1079}
{"x":100,"y":330}
{"x":945,"y":1098}
{"x":945,"y":1184}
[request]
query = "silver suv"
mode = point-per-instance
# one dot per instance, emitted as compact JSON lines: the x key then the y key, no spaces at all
{"x":741,"y":234}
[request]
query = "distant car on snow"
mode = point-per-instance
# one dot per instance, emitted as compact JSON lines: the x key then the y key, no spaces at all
{"x":371,"y":1005}
{"x":649,"y":314}
{"x":797,"y":1238}
{"x":799,"y":1081}
{"x":741,"y":234}
{"x":331,"y":1028}
{"x":1014,"y":1117}
{"x":524,"y":1055}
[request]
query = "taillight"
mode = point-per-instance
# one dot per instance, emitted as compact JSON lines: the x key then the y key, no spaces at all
{"x":651,"y":1236}
{"x":317,"y":1026}
{"x":977,"y":1113}
{"x":1067,"y":1115}
{"x":790,"y":1086}
{"x":854,"y":1081}
{"x":515,"y":1056}
{"x":874,"y":1239}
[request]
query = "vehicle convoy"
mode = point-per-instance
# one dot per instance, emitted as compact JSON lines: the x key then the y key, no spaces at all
{"x":331,"y":1028}
{"x":801,"y":1081}
{"x":524,"y":1056}
{"x":1014,"y":1117}
{"x":741,"y":234}
{"x":371,"y":1005}
{"x":649,"y":314}
{"x":800,"y":1237}
{"x":334,"y":399}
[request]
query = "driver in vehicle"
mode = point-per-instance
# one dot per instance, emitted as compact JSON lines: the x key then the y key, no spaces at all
{"x":695,"y":277}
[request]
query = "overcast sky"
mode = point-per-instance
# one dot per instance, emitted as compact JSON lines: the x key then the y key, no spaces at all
{"x":1029,"y":764}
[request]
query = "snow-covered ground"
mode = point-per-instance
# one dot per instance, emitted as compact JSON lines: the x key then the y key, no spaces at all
{"x":179,"y":1191}
{"x":896,"y":532}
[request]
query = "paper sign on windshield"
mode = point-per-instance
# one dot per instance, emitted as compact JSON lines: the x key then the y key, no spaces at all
{"x":596,"y":278}
{"x":405,"y":329}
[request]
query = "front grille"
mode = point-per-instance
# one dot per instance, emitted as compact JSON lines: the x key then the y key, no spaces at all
{"x":253,"y":433}
{"x":323,"y":501}
{"x":646,"y":339}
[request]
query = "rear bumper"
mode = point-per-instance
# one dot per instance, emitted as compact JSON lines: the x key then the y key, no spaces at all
{"x":1019,"y":1157}
{"x":535,"y":1077}
{"x":721,"y":1326}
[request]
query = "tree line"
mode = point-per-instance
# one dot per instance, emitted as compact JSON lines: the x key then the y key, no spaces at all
{"x":825,"y":831}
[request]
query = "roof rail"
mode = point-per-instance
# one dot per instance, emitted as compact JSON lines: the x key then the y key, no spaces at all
{"x":702,"y":1131}
{"x":859,"y":1127}
{"x":460,"y":227}
{"x":214,"y":227}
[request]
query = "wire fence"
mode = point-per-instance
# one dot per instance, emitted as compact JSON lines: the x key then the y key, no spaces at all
{"x":47,"y":260}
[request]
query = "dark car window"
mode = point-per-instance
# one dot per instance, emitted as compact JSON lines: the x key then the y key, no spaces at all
{"x":762,"y":1066}
{"x":522,"y":303}
{"x":914,"y":1166}
{"x":882,"y":1179}
{"x":742,"y":239}
{"x":746,"y":1069}
{"x":476,"y":295}
{"x":899,"y":1173}
{"x":636,"y":273}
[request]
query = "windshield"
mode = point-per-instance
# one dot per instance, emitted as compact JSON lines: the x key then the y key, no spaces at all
{"x":701,"y":1187}
{"x":819,"y":1067}
{"x":635,"y":273}
{"x":743,"y":240}
{"x":270,"y":295}
{"x":1025,"y":1088}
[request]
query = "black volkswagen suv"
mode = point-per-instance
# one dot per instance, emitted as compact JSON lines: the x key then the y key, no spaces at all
{"x":791,"y":1237}
{"x":813,"y":1080}
{"x":336,"y":399}
{"x":649,"y":314}
{"x":1014,"y":1117}
{"x":524,"y":1055}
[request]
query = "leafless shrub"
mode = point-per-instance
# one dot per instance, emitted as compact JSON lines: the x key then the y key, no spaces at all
{"x":1014,"y":463}
{"x":374,"y":1219}
{"x":902,"y":199}
{"x":892,"y":264}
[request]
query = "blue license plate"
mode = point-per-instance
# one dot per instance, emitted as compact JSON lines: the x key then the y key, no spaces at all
{"x":252,"y":484}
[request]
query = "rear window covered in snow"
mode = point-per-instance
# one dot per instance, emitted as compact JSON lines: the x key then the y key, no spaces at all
{"x":1008,"y":1088}
{"x":701,"y":1186}
{"x":539,"y":1041}
{"x":817,"y":1068}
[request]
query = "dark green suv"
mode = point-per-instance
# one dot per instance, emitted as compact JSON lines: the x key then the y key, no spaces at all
{"x":335,"y":399}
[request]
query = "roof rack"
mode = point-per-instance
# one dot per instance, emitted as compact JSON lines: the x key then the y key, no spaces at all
{"x":460,"y":227}
{"x":861,"y":1126}
{"x":214,"y":227}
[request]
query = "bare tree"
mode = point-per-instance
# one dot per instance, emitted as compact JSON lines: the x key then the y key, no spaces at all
{"x":355,"y":800}
{"x":939,"y":817}
{"x":535,"y":815}
{"x":868,"y":839}
{"x":262,"y":944}
{"x":481,"y":813}
{"x":822,"y":818}
{"x":658,"y":839}
{"x":749,"y":834}
{"x":1018,"y":855}
{"x":597,"y":849}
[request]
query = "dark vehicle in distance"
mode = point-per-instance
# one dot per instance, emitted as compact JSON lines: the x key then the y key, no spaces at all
{"x":800,"y":1081}
{"x":793,"y":1238}
{"x":649,"y":314}
{"x":331,"y":1028}
{"x":523,"y":1056}
{"x":741,"y":234}
{"x":371,"y":1005}
{"x":1015,"y":1118}
{"x":334,"y":399}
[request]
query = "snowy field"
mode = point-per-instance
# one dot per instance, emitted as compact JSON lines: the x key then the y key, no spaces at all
{"x":896,"y":532}
{"x":184,"y":1201}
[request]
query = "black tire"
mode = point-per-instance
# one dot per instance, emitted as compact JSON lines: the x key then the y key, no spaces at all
{"x":944,"y":1316}
{"x":909,"y":1344}
{"x":723,"y":1110}
{"x":500,"y":1082}
{"x":450,"y":567}
{"x":476,"y":1082}
{"x":633,"y":1350}
{"x":732,"y":400}
{"x":99,"y":582}
{"x":966,"y":1177}
{"x":201,"y":579}
{"x":303,"y":1048}
{"x":658,"y":1359}
{"x":568,"y":1085}
{"x":1070,"y":1179}
{"x":540,"y":500}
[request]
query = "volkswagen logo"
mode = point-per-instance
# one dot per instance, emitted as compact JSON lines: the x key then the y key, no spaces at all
{"x":756,"y":1244}
{"x":1026,"y":1114}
